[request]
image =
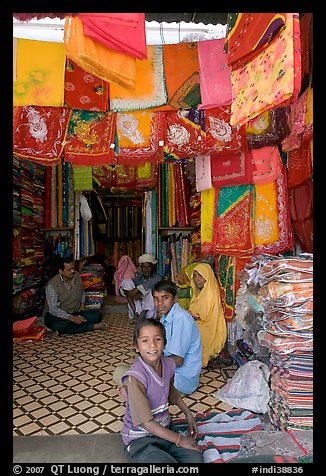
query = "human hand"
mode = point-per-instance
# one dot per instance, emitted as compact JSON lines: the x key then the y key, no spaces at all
{"x":122,"y":392}
{"x":77,"y":319}
{"x":189,"y":443}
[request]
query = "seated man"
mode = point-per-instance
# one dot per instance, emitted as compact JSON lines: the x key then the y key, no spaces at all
{"x":64,"y":307}
{"x":182,"y":334}
{"x":138,"y":290}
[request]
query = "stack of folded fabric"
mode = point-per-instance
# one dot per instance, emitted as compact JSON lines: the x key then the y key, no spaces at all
{"x":287,"y":300}
{"x":93,"y":285}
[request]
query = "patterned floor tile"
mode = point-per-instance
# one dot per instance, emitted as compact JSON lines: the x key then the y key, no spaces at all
{"x":63,"y":384}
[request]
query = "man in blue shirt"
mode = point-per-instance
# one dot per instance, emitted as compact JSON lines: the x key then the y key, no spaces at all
{"x":182,"y":334}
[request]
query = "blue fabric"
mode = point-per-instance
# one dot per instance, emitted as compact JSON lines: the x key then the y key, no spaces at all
{"x":183,"y":339}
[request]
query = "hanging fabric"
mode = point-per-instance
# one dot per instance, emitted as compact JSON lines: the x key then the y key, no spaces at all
{"x":40,"y":67}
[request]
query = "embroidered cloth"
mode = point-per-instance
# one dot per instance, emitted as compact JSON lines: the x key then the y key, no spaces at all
{"x":221,"y":137}
{"x":40,"y":70}
{"x":139,"y":137}
{"x":233,"y":232}
{"x":268,"y":128}
{"x":236,"y":169}
{"x":40,"y":132}
{"x":90,"y":138}
{"x":275,"y":73}
{"x":273,"y":231}
{"x":149,"y":89}
{"x":181,"y":72}
{"x":185,"y":135}
{"x":250,"y":33}
{"x":266,"y":164}
{"x":84,"y":90}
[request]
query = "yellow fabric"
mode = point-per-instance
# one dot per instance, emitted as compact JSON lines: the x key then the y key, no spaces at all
{"x":207,"y":214}
{"x":97,"y":59}
{"x":185,"y":277}
{"x":149,"y":89}
{"x":144,"y":171}
{"x":266,"y":214}
{"x":206,"y":304}
{"x":40,"y":73}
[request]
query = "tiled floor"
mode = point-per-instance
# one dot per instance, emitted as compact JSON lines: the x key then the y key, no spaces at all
{"x":63,"y":385}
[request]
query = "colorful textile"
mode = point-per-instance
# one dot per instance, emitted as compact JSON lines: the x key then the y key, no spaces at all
{"x":82,"y":178}
{"x":206,"y":307}
{"x":40,"y":69}
{"x":96,"y":59}
{"x":267,"y":164}
{"x":272,"y":217}
{"x":219,"y":433}
{"x":123,"y":32}
{"x":181,"y":71}
{"x":149,"y":90}
{"x":250,"y":33}
{"x":207,"y":212}
{"x":139,"y":137}
{"x":39,"y":133}
{"x":84,"y":90}
{"x":268,"y":128}
{"x":203,"y":172}
{"x":233,"y":231}
{"x":299,"y":165}
{"x":229,"y":170}
{"x":296,"y":121}
{"x":126,"y":269}
{"x":90,"y":138}
{"x":185,"y":135}
{"x":275,"y":72}
{"x":221,"y":137}
{"x":301,"y":210}
{"x":214,"y":74}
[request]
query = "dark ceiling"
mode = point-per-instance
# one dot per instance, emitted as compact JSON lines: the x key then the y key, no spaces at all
{"x":205,"y":18}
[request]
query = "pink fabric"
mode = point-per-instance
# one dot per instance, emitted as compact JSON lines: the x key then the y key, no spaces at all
{"x":267,"y":164}
{"x":203,"y":173}
{"x":123,"y":32}
{"x":215,"y":74}
{"x":126,"y":269}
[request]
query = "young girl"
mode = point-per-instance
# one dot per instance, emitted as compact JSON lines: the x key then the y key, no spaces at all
{"x":146,"y":431}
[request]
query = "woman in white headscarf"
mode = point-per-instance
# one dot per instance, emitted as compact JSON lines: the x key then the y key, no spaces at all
{"x":138,"y":290}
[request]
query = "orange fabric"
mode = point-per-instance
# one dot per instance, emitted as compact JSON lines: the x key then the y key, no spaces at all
{"x":181,"y":71}
{"x":93,"y":57}
{"x":149,"y":89}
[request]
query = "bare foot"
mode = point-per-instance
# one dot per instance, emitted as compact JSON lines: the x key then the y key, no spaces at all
{"x":100,"y":326}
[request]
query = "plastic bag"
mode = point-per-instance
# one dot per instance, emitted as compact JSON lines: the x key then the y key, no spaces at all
{"x":248,"y":388}
{"x":85,"y":211}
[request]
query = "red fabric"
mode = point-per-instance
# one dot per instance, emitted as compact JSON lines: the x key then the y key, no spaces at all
{"x":184,"y":137}
{"x":301,"y":211}
{"x":250,"y":35}
{"x":39,"y":133}
{"x":285,"y":241}
{"x":84,"y":90}
{"x":221,"y":137}
{"x":123,"y":32}
{"x":231,"y":170}
{"x":299,"y":164}
{"x":90,"y":141}
{"x":266,"y":164}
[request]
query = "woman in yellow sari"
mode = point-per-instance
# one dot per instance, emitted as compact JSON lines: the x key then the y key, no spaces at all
{"x":206,"y":308}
